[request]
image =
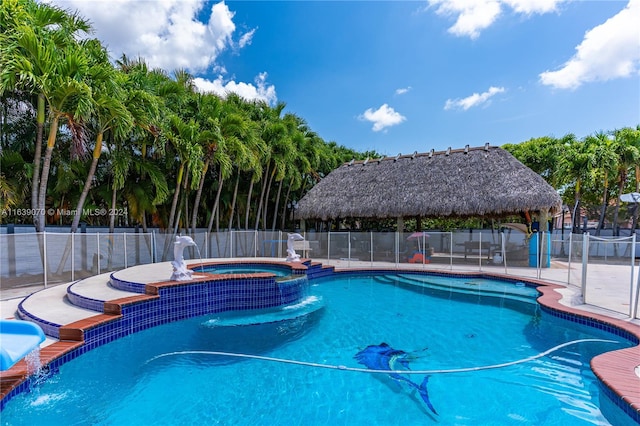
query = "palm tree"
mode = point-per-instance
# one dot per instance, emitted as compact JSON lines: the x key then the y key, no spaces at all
{"x":38,"y":55}
{"x":184,"y":138}
{"x":234,"y":127}
{"x":208,"y":112}
{"x":143,"y":102}
{"x":110,"y":114}
{"x":606,"y":161}
{"x":628,"y":155}
{"x":575,"y":166}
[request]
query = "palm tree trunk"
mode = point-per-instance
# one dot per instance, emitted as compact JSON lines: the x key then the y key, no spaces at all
{"x":176,"y":194}
{"x":616,"y":229}
{"x":44,"y":178}
{"x":284,"y":206}
{"x":184,"y":204}
{"x":603,"y":210}
{"x":97,"y":150}
{"x":37,"y":157}
{"x":246,"y":216}
{"x":233,"y":201}
{"x":275,"y":209}
{"x":196,"y":203}
{"x":216,"y":203}
{"x":262,"y":191}
{"x":112,"y":216}
{"x":265,"y":206}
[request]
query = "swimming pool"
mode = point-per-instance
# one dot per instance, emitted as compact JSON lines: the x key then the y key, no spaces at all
{"x":168,"y":374}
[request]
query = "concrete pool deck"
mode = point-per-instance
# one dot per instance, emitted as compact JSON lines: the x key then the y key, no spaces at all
{"x":617,"y":369}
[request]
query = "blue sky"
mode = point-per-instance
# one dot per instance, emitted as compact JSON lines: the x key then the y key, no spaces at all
{"x":399,"y":77}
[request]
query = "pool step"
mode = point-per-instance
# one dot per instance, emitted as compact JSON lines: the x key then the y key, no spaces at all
{"x":58,"y":306}
{"x":468,"y":294}
{"x":51,"y":309}
{"x":318,"y":270}
{"x":93,"y":292}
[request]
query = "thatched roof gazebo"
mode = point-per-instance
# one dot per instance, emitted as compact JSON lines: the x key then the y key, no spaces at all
{"x":471,"y":182}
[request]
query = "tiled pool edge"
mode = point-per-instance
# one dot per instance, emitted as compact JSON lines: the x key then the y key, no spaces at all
{"x":614,"y":369}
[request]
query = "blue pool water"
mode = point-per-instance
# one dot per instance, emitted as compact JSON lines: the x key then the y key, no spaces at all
{"x":279,"y":271}
{"x":168,"y":374}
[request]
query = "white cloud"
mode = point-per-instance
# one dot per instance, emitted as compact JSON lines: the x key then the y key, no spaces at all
{"x":165,"y":33}
{"x":383,"y":117}
{"x":533,"y":6}
{"x":474,"y":100}
{"x":473,"y":16}
{"x":403,"y":90}
{"x":260,"y":91}
{"x":610,"y":50}
{"x":246,"y":38}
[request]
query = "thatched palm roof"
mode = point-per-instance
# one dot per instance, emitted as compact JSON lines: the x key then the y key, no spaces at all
{"x":484,"y":181}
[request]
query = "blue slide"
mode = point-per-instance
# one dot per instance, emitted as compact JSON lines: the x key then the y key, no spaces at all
{"x":17,"y":339}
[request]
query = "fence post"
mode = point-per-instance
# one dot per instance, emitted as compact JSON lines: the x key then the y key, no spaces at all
{"x":279,"y":244}
{"x":11,"y":249}
{"x":504,"y":252}
{"x":349,"y":248}
{"x":73,"y":257}
{"x":98,"y":248}
{"x":154,"y":250}
{"x":585,"y":261}
{"x":124,"y":239}
{"x":633,"y":309}
{"x":451,"y":250}
{"x":44,"y":240}
{"x":569,"y":259}
{"x":329,"y":245}
{"x":371,"y":247}
{"x":480,"y":250}
{"x":397,"y":249}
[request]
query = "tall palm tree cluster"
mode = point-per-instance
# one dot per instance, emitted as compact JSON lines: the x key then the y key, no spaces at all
{"x":83,"y":138}
{"x":590,"y":173}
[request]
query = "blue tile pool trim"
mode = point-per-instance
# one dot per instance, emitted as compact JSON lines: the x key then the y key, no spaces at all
{"x":84,"y":301}
{"x":615,"y":398}
{"x":592,"y":322}
{"x":131,"y":286}
{"x":50,"y":328}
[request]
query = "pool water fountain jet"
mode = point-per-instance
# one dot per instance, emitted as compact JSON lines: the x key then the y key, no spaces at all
{"x":180,"y":270}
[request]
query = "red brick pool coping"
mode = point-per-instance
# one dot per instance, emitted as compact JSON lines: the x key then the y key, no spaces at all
{"x":616,"y":369}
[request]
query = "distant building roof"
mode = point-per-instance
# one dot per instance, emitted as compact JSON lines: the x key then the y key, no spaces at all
{"x":469,"y":182}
